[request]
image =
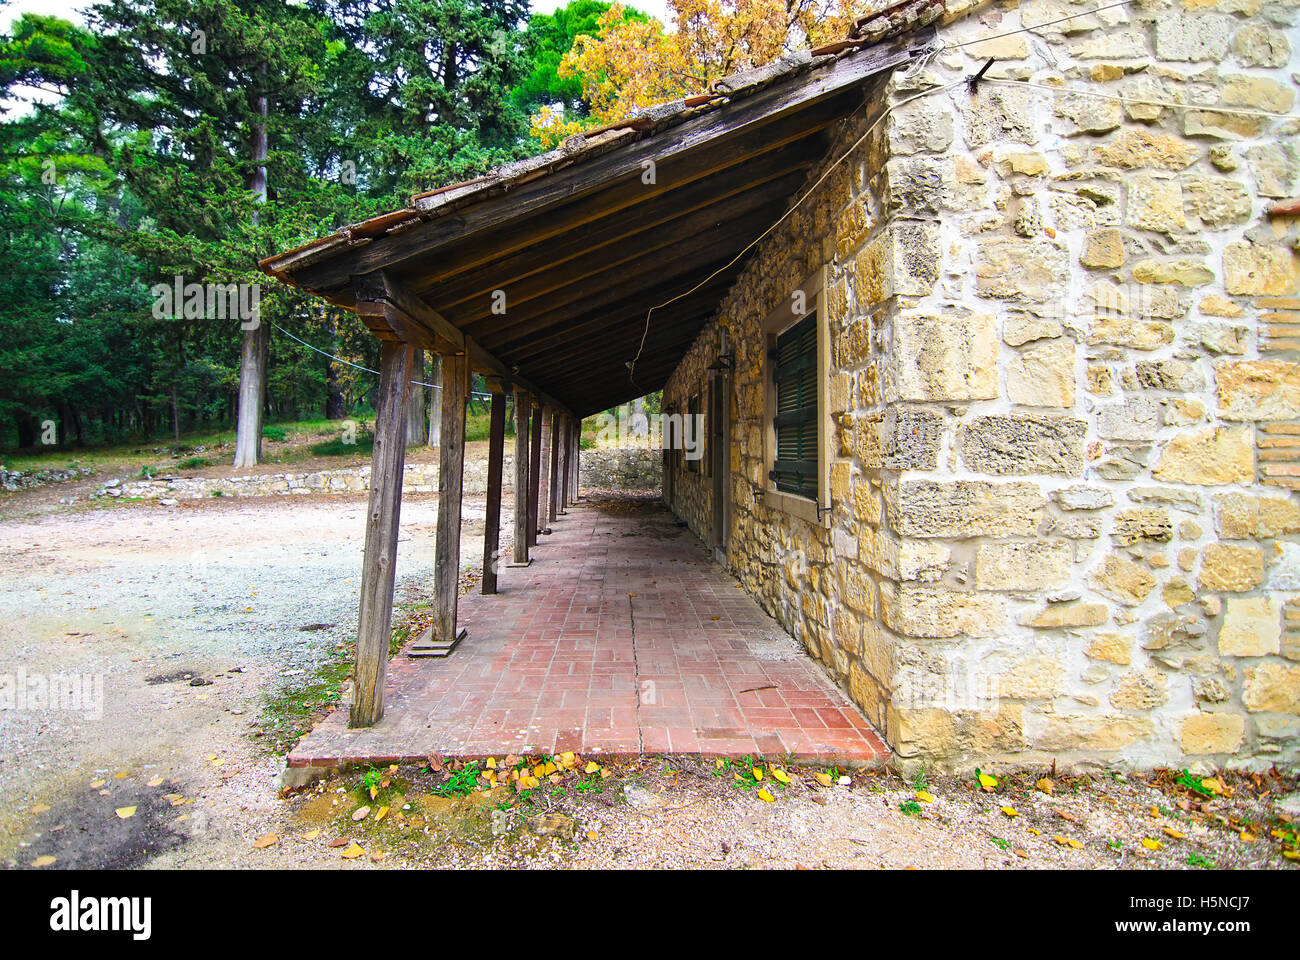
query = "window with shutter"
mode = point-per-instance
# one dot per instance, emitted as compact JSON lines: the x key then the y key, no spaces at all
{"x":795,"y":468}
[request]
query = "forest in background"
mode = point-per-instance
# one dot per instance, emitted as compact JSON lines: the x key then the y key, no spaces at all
{"x":191,"y":138}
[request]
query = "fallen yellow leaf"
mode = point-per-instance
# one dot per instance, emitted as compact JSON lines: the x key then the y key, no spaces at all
{"x":987,"y":782}
{"x":925,"y":796}
{"x":311,"y":835}
{"x":125,"y":813}
{"x":41,"y":808}
{"x":1046,"y":785}
{"x":383,"y":812}
{"x":44,"y":861}
{"x":155,"y":782}
{"x":269,"y":840}
{"x":764,"y":795}
{"x":1176,"y":834}
{"x":1010,"y":811}
{"x":1248,"y":836}
{"x":594,"y":767}
{"x":352,"y":852}
{"x":780,"y":774}
{"x":757,"y":772}
{"x":823,"y":778}
{"x":96,"y":784}
{"x":1152,"y":844}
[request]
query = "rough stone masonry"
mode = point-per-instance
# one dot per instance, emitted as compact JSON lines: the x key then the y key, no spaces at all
{"x":1061,"y":396}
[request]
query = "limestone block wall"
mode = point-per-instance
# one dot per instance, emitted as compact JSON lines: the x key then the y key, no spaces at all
{"x":1065,"y":383}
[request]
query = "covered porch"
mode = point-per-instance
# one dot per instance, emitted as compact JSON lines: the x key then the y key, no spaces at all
{"x":622,"y":637}
{"x":576,"y":281}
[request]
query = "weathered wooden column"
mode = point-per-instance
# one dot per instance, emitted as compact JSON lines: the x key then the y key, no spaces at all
{"x":523,"y":403}
{"x":553,"y":488}
{"x":564,"y":468}
{"x":545,"y":481}
{"x":451,"y":472}
{"x":576,"y":447}
{"x":534,"y":471}
{"x":496,"y":459}
{"x":379,"y":566}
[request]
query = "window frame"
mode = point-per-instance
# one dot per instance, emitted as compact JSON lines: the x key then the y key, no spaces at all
{"x":778,"y":322}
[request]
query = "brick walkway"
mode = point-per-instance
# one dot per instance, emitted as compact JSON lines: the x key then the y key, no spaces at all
{"x":622,"y":637}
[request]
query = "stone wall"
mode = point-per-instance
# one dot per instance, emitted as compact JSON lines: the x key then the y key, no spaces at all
{"x":622,"y":469}
{"x":1065,"y":393}
{"x":419,"y":477}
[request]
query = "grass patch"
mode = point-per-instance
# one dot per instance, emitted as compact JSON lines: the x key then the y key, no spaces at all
{"x":361,"y":446}
{"x":293,"y":710}
{"x":194,"y":463}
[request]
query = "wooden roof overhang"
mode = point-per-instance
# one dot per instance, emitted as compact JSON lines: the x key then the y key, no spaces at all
{"x":582,"y":241}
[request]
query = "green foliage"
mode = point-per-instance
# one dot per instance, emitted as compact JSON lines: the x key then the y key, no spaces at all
{"x":461,"y":783}
{"x":338,"y":447}
{"x":549,"y":38}
{"x":135,"y":165}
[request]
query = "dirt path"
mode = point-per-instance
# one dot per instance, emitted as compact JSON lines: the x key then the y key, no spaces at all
{"x":186,"y":618}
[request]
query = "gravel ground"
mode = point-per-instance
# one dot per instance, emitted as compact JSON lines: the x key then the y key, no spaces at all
{"x":198,"y":617}
{"x":148,"y":600}
{"x":679,"y":812}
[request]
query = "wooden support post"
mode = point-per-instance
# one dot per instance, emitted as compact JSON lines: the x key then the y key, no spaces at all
{"x":557,"y":444}
{"x":379,"y":567}
{"x":545,"y":481}
{"x":562,"y":500}
{"x":451,"y":472}
{"x":576,"y":447}
{"x":523,"y":404}
{"x":496,"y":459}
{"x":534,"y":471}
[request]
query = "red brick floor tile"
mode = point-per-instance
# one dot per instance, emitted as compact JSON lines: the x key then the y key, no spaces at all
{"x":565,"y":658}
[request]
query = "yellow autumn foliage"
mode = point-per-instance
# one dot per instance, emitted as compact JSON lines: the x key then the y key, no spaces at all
{"x":631,"y":64}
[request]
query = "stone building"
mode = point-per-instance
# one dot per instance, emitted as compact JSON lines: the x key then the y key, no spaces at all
{"x":991,"y":312}
{"x":1056,"y":439}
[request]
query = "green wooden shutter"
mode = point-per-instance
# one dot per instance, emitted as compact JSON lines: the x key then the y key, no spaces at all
{"x":796,"y":466}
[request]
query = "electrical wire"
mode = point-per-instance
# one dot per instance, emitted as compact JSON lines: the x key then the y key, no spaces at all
{"x":418,"y":383}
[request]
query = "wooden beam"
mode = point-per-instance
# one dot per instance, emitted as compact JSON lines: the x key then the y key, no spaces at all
{"x":496,"y":458}
{"x":414,"y":321}
{"x":451,"y":473}
{"x":523,"y":405}
{"x":379,"y":566}
{"x":534,"y":470}
{"x":670,"y":213}
{"x":473,"y":295}
{"x":713,"y":246}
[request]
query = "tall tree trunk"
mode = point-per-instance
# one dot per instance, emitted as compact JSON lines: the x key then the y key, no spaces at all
{"x":252,"y":391}
{"x":257,"y":341}
{"x":26,"y":425}
{"x":415,"y":423}
{"x":435,"y":401}
{"x":335,"y":406}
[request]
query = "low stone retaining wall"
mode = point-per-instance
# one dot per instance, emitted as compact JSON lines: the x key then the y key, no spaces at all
{"x":625,"y":469}
{"x":21,"y":480}
{"x":418,"y":478}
